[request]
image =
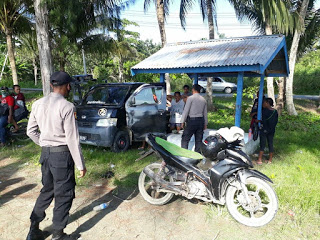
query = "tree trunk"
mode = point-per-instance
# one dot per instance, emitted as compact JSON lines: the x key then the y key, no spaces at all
{"x":211,"y":36}
{"x":161,"y":23}
{"x":168,"y":84}
{"x":43,"y":41}
{"x":281,"y":97}
{"x":289,"y":83}
{"x":35,"y":71}
{"x":208,"y":97}
{"x":292,"y":60}
{"x":270,"y":87}
{"x":210,"y":19}
{"x":12,"y":59}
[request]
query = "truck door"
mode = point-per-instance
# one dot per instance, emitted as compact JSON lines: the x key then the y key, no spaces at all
{"x":146,"y":111}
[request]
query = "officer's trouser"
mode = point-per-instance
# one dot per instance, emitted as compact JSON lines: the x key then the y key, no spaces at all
{"x":194,"y":126}
{"x":58,"y":182}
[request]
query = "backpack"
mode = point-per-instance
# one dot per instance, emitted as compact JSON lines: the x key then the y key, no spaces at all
{"x":4,"y":108}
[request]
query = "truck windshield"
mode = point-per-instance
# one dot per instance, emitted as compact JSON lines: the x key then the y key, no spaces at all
{"x":107,"y":95}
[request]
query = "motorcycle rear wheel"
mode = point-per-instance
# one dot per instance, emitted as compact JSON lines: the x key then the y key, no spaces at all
{"x":147,"y":186}
{"x":263,"y":206}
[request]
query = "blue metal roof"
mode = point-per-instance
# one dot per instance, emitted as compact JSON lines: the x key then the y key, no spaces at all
{"x":251,"y":55}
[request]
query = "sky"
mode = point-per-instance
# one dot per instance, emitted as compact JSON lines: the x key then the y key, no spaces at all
{"x":196,"y":29}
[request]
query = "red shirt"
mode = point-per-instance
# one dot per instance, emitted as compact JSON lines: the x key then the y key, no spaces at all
{"x":7,"y":100}
{"x":20,"y":96}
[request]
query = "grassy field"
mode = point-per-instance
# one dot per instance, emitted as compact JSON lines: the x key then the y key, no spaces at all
{"x":295,"y":169}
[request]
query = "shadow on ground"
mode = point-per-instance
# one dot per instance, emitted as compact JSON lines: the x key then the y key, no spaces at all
{"x":114,"y":198}
{"x":15,"y":192}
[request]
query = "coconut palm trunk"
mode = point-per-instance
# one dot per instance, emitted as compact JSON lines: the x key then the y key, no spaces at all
{"x":11,"y":57}
{"x":292,"y":61}
{"x":281,"y":96}
{"x":161,"y":23}
{"x":43,"y":41}
{"x":211,"y":36}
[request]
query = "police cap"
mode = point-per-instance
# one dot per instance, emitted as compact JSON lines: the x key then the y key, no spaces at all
{"x":60,"y":78}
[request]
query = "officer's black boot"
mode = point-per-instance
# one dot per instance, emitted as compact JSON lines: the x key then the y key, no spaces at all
{"x":35,"y":233}
{"x":60,"y":235}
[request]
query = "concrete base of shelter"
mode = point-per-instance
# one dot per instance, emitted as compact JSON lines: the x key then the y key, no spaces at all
{"x":249,"y":148}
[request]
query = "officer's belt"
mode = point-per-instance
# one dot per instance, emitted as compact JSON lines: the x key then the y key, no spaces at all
{"x":195,"y":118}
{"x":63,"y":148}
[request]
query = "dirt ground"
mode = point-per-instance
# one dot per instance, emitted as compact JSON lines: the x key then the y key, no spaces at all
{"x":128,"y":215}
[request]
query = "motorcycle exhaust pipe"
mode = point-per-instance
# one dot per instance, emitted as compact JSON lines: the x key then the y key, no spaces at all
{"x":164,"y":184}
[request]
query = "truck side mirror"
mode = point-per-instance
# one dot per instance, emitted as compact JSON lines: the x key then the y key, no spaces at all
{"x":133,"y":102}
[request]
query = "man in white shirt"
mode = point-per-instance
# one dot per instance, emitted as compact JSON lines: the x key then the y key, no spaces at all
{"x":176,"y":111}
{"x":52,"y":126}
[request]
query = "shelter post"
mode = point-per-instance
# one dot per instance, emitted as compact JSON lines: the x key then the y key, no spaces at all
{"x":239,"y":99}
{"x":195,"y":78}
{"x":162,"y":77}
{"x":259,"y":117}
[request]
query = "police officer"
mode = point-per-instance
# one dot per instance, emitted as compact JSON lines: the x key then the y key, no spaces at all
{"x":52,"y":125}
{"x":195,"y":116}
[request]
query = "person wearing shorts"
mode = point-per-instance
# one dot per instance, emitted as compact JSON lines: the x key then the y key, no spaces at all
{"x":177,"y":106}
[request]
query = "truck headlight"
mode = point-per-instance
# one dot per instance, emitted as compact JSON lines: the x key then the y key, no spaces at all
{"x":107,"y":122}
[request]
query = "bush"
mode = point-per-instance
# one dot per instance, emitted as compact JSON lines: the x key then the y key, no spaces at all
{"x":307,"y":74}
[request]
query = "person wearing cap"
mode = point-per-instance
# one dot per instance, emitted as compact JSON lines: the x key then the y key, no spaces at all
{"x":196,"y":118}
{"x":52,"y":125}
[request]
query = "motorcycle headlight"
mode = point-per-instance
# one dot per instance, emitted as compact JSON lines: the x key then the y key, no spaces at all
{"x":107,"y":122}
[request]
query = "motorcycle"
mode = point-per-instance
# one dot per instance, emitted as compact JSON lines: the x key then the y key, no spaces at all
{"x":230,"y":179}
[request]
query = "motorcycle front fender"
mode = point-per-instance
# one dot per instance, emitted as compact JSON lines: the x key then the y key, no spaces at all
{"x":226,"y":168}
{"x":246,"y":173}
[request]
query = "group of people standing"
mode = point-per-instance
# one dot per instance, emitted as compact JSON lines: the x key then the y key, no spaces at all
{"x":189,"y":112}
{"x":12,"y":110}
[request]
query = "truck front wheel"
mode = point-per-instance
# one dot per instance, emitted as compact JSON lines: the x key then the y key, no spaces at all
{"x":121,"y":142}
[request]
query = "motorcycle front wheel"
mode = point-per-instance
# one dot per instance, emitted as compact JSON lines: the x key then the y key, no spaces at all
{"x":148,"y":187}
{"x":262,"y":208}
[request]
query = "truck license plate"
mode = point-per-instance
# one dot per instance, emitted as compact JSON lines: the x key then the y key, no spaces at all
{"x":83,"y":138}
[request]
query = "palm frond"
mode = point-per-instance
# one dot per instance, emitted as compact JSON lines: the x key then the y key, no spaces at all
{"x":146,"y":4}
{"x":185,"y":6}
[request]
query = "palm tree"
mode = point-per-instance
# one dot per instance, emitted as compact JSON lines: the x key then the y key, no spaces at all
{"x":208,"y":11}
{"x":162,"y":10}
{"x":268,"y":16}
{"x":73,"y":21}
{"x":307,"y":43}
{"x":302,"y":7}
{"x":12,"y":16}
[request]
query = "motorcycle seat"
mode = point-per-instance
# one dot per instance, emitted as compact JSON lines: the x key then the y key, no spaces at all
{"x":185,"y":155}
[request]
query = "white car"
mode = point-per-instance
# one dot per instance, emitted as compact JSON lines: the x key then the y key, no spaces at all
{"x":218,"y":84}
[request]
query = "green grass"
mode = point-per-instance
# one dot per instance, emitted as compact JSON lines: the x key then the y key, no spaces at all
{"x":295,"y":169}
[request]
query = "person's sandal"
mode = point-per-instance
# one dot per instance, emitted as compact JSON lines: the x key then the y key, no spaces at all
{"x":259,"y":162}
{"x":269,"y":162}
